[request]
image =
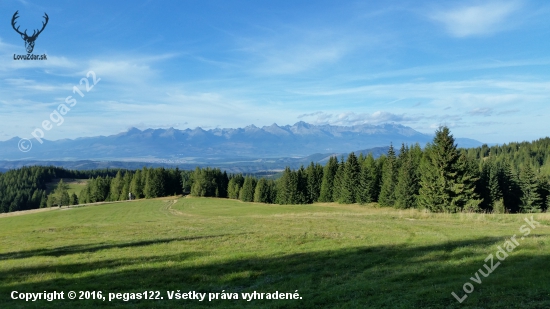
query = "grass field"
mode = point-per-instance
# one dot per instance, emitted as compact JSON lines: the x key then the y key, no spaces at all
{"x":75,"y":185}
{"x":336,"y":256}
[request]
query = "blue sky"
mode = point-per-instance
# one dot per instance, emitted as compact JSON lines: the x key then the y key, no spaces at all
{"x":479,"y":67}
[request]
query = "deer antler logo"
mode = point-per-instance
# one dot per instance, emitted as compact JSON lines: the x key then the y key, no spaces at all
{"x":29,"y":40}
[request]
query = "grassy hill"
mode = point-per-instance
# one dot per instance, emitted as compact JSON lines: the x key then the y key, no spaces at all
{"x":336,"y":256}
{"x":75,"y":185}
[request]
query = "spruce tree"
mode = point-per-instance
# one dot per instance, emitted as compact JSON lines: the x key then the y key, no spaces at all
{"x":350,"y":180}
{"x":246,"y":194}
{"x":338,"y":181}
{"x":511,"y":190}
{"x":314,"y":176}
{"x":327,"y":183}
{"x":136,"y":185}
{"x":530,"y":200}
{"x":116,"y":187}
{"x":439,"y":173}
{"x":389,"y":179}
{"x":234,"y":186}
{"x":73,"y":200}
{"x":465,"y":196}
{"x":287,"y":188}
{"x":261,"y":193}
{"x":406,"y":190}
{"x":364,"y":191}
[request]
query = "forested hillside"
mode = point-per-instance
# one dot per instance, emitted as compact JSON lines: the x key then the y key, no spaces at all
{"x":440,"y":178}
{"x":25,"y":188}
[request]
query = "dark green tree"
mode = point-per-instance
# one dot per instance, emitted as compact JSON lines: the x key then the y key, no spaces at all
{"x":314,"y":177}
{"x":406,"y":190}
{"x":530,"y":200}
{"x":73,"y":200}
{"x":234,"y":186}
{"x":338,"y":181}
{"x":389,"y":180}
{"x":261,"y":193}
{"x":246,"y":194}
{"x":439,"y":173}
{"x":350,"y":180}
{"x":327,"y":183}
{"x":287,"y":188}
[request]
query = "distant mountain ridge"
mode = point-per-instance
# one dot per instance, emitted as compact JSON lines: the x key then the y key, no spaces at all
{"x":189,"y":145}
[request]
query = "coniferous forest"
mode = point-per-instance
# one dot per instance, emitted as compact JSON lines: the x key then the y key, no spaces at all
{"x":507,"y":178}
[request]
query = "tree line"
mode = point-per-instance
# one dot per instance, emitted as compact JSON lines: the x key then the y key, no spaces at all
{"x":26,"y":188}
{"x":440,"y":178}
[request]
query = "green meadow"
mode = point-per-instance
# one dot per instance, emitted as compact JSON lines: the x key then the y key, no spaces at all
{"x":335,"y":256}
{"x":75,"y":185}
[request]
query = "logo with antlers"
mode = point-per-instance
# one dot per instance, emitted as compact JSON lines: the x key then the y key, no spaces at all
{"x":29,"y":40}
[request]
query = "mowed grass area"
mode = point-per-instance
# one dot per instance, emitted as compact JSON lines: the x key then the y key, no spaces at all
{"x":336,"y":256}
{"x":75,"y":185}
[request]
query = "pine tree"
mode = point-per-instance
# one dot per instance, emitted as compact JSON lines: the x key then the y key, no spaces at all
{"x":73,"y":199}
{"x":511,"y":190}
{"x":439,"y":173}
{"x":364,"y":191}
{"x":314,"y":176}
{"x":287,"y":188}
{"x":116,"y":187}
{"x":246,"y":194}
{"x":302,"y":188}
{"x":406,"y":190}
{"x":530,"y":200}
{"x":338,"y":181}
{"x":464,"y":191}
{"x":126,"y":183}
{"x":234,"y":186}
{"x":389,"y":179}
{"x":154,"y":183}
{"x":136,"y":186}
{"x":327,"y":183}
{"x":350,"y":180}
{"x":60,"y":196}
{"x":261,"y":193}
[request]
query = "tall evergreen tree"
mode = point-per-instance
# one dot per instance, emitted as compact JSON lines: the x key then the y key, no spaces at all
{"x":287,"y":188}
{"x":350,"y":180}
{"x":464,"y":190}
{"x":439,"y":173}
{"x":338,"y":181}
{"x":530,"y":200}
{"x":246,"y":193}
{"x":327,"y":183}
{"x":154,"y":183}
{"x":136,"y":186}
{"x":60,"y":196}
{"x":406,"y":190}
{"x":389,"y":179}
{"x":126,"y":183}
{"x":116,"y":187}
{"x":261,"y":193}
{"x":314,"y":176}
{"x":511,"y":190}
{"x":369,"y":181}
{"x":234,"y":186}
{"x":303,"y":193}
{"x":73,"y":200}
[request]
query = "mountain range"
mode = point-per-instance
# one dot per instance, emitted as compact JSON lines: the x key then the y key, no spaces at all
{"x":227,"y":145}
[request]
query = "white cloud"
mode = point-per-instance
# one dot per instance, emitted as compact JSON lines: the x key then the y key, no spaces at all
{"x":352,"y":118}
{"x":474,"y":20}
{"x":481,"y":112}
